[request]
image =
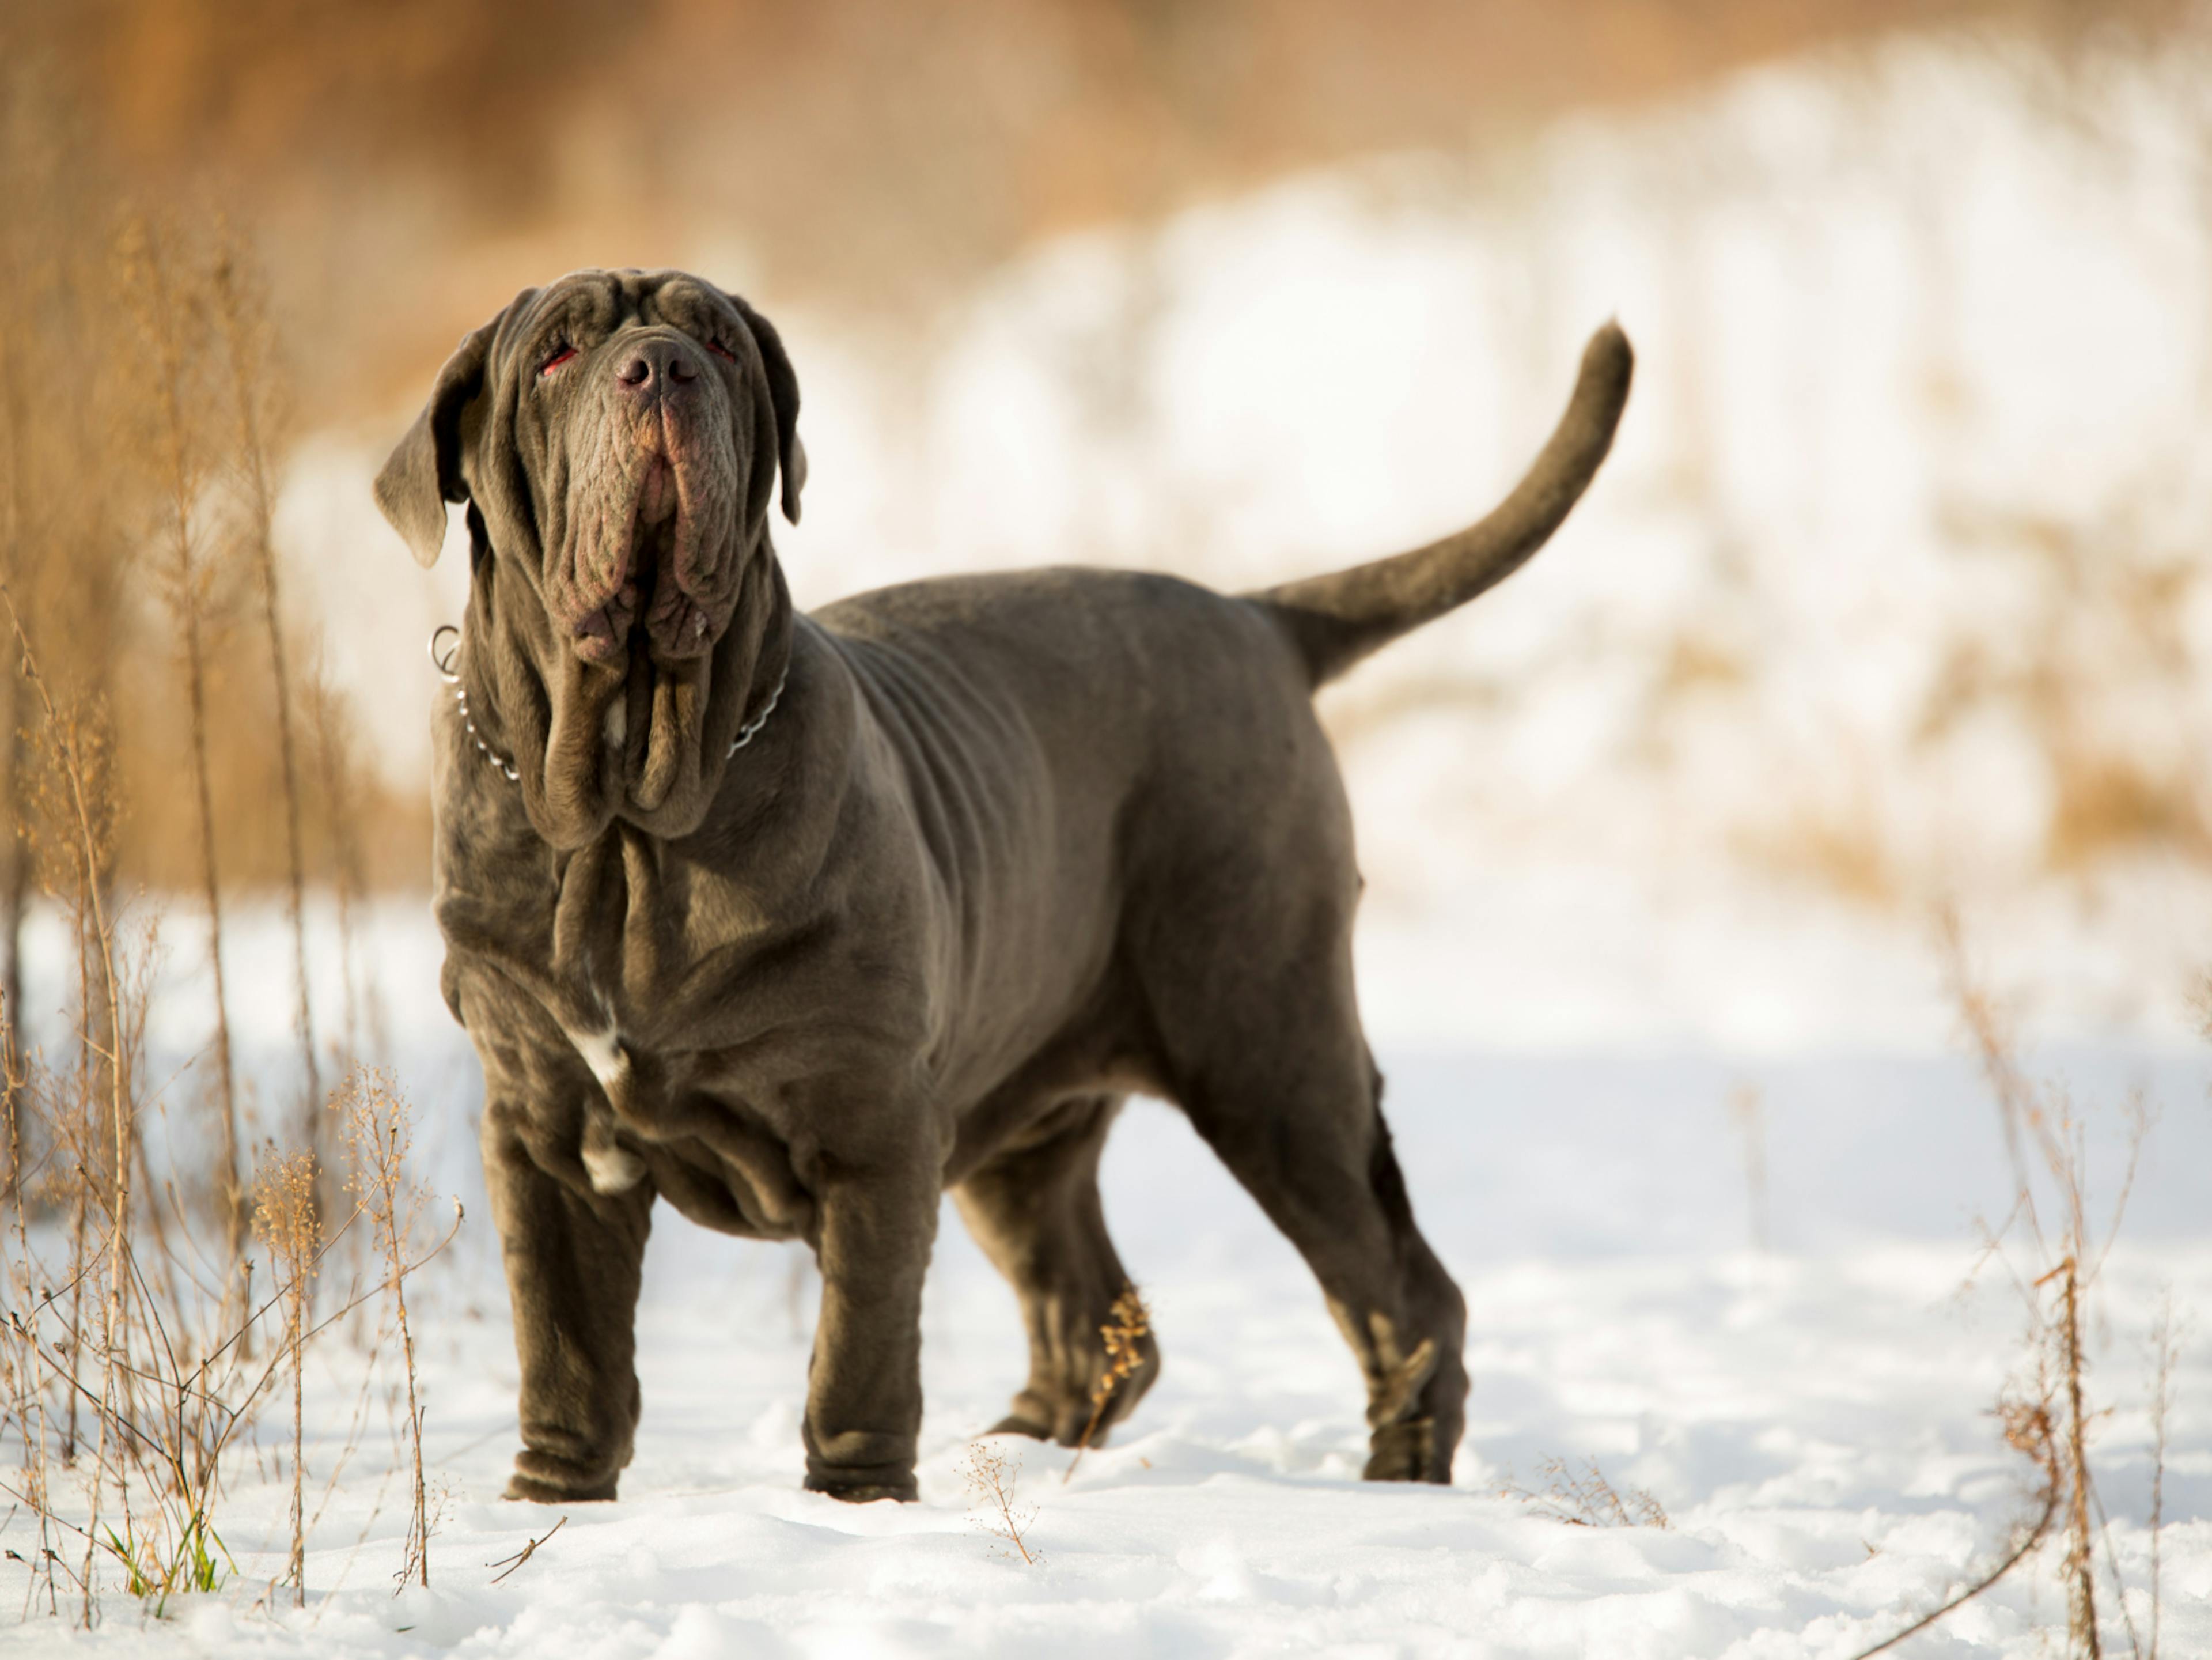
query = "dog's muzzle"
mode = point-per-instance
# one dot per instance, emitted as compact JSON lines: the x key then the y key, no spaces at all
{"x":654,"y":543}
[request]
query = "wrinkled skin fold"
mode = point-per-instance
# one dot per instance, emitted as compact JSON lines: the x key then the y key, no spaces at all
{"x":1007,"y":848}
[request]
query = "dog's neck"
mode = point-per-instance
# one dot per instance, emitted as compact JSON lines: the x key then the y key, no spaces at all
{"x":560,"y":732}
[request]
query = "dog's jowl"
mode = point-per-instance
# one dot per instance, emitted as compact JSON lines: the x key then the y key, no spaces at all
{"x":795,"y":921}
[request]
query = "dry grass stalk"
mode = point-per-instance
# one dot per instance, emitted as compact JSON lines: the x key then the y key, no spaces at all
{"x":72,"y":804}
{"x":1585,"y":1499}
{"x":335,"y":768}
{"x":15,"y":861}
{"x":990,"y":1478}
{"x":173,"y":1404}
{"x":1127,"y":1322}
{"x":83,"y":820}
{"x":2041,"y":1121}
{"x":509,"y":1564}
{"x":80,"y":542}
{"x":74,"y":801}
{"x":73,"y":1185}
{"x":240,"y":318}
{"x":287,"y":1221}
{"x":378,"y":1133}
{"x":150,"y":261}
{"x":2163,"y":1342}
{"x":125,"y":1377}
{"x":156,"y":1360}
{"x":26,"y":1397}
{"x":175,"y":1433}
{"x":2045,"y":1143}
{"x":2079,"y":1569}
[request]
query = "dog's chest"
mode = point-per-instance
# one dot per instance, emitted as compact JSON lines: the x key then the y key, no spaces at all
{"x":673,"y":971}
{"x":656,"y":950}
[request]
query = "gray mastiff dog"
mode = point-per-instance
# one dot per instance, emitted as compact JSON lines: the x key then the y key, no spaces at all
{"x":796,"y":921}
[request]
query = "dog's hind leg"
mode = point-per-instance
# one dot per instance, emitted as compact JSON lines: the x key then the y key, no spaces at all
{"x":1267,"y":1056}
{"x":1034,"y":1209}
{"x":1310,"y":1145}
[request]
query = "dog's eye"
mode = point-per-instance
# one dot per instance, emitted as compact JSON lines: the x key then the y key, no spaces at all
{"x":561,"y":355}
{"x":721,"y":350}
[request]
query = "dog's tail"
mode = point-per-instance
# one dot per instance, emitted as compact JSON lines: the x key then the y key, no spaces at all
{"x":1340,"y":618}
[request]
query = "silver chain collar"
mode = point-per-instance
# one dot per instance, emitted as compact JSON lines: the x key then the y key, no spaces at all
{"x":451,"y":676}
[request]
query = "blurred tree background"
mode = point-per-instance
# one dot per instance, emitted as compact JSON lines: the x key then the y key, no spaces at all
{"x":401,"y":158}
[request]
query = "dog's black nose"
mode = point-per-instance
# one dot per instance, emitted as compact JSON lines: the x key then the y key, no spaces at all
{"x":655,"y":365}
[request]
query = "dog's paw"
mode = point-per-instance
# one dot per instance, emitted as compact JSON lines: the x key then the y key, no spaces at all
{"x":1406,"y":1452}
{"x":535,"y":1492}
{"x":863,"y":1492}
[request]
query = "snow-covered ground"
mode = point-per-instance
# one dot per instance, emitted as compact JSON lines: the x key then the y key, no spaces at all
{"x":1795,"y":1374}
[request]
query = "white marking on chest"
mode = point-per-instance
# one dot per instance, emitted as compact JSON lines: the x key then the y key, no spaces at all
{"x":613,"y":1168}
{"x":602,"y":1052}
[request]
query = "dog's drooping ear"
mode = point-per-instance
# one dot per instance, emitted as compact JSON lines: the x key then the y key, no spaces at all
{"x":783,"y":398}
{"x":424,"y":472}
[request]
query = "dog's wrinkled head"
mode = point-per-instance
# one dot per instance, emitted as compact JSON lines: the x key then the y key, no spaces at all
{"x":617,"y":436}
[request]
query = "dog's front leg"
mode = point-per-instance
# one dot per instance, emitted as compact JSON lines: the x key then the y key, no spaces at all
{"x":574,"y":1262}
{"x":863,"y":1388}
